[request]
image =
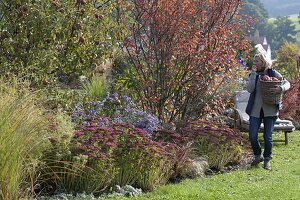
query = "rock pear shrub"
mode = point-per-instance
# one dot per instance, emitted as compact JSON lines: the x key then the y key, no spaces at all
{"x":179,"y":55}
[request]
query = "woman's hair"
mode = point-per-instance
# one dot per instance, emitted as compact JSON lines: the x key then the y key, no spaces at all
{"x":267,"y":63}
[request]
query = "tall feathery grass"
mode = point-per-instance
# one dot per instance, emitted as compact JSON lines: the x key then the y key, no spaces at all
{"x":96,"y":88}
{"x":22,"y":135}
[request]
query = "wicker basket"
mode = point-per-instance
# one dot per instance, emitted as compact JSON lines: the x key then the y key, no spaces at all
{"x":267,"y":97}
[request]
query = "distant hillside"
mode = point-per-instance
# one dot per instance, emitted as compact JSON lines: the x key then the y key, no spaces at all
{"x":281,"y":7}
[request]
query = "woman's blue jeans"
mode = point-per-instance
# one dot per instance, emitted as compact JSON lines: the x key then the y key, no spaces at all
{"x":269,"y":123}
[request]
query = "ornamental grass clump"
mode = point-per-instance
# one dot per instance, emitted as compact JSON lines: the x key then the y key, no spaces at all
{"x":70,"y":173}
{"x":60,"y":169}
{"x":220,"y":144}
{"x":183,"y":146}
{"x":76,"y":162}
{"x":22,"y":139}
{"x":96,"y":88}
{"x":148,"y":163}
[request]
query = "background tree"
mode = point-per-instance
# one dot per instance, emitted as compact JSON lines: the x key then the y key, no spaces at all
{"x":281,"y":31}
{"x":288,"y":57}
{"x":42,"y":39}
{"x":259,"y":15}
{"x":183,"y":55}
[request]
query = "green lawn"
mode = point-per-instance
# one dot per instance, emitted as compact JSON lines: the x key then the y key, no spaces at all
{"x":282,"y":182}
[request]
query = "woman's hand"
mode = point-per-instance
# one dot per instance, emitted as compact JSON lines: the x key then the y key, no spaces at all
{"x":254,"y":68}
{"x":276,"y":90}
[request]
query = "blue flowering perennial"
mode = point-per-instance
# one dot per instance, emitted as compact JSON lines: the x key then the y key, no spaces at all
{"x":119,"y":110}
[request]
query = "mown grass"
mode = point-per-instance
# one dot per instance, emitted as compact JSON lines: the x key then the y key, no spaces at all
{"x":282,"y":182}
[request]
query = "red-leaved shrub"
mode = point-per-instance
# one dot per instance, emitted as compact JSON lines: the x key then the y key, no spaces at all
{"x":134,"y":157}
{"x":219,"y":143}
{"x":291,"y":102}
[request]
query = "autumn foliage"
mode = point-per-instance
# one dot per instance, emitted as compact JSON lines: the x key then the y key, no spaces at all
{"x":288,"y":61}
{"x":219,"y":143}
{"x":182,"y":53}
{"x":291,"y":101}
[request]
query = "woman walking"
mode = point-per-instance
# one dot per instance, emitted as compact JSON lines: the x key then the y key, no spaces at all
{"x":262,"y":112}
